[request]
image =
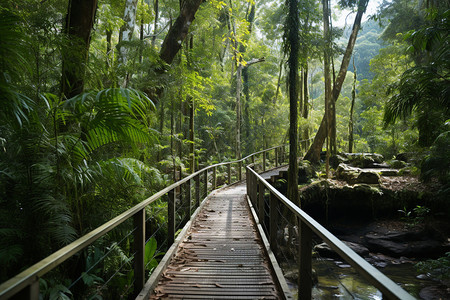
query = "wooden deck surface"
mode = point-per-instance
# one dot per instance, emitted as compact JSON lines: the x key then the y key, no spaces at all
{"x":222,"y":256}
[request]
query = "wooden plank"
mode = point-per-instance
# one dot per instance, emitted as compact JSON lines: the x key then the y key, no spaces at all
{"x":222,"y":256}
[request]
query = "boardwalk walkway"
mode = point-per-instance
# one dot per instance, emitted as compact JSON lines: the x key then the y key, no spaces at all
{"x":222,"y":256}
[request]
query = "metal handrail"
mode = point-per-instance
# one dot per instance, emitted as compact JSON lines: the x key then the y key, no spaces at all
{"x":27,"y":282}
{"x":255,"y":190}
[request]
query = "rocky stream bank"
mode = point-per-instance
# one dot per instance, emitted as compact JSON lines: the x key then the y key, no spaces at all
{"x":383,"y":213}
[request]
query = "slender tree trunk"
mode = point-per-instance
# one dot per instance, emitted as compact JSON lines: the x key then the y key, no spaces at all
{"x":141,"y":38}
{"x":238,"y":111}
{"x":126,"y":31}
{"x":350,"y":123}
{"x":291,"y":28}
{"x":313,"y":154}
{"x":278,"y":81}
{"x":79,"y":22}
{"x":191,"y":134}
{"x":191,"y":104}
{"x":178,"y":31}
{"x":108,"y":48}
{"x":155,"y":30}
{"x":246,"y":118}
{"x":305,"y":101}
{"x":327,"y":75}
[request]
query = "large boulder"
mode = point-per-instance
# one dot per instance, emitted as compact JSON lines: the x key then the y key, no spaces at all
{"x":363,"y":160}
{"x":325,"y":251}
{"x":354,"y":175}
{"x":397,"y":164}
{"x":409,"y":244}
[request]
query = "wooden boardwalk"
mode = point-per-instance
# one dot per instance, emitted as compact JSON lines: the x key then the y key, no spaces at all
{"x":222,"y":256}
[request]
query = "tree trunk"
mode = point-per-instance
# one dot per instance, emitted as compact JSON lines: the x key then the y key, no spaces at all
{"x":79,"y":21}
{"x":126,"y":31}
{"x":313,"y":154}
{"x":155,"y":30}
{"x":191,"y":135}
{"x":246,"y":118}
{"x":350,"y":123}
{"x":238,"y":111}
{"x":305,"y":101}
{"x":177,"y":33}
{"x":108,"y":47}
{"x":141,"y":38}
{"x":327,"y":75}
{"x":278,"y":81}
{"x":291,"y":28}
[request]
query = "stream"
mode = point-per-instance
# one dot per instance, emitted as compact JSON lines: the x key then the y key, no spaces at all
{"x":337,"y":280}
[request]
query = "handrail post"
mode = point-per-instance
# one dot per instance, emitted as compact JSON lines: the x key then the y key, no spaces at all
{"x":214,"y":181}
{"x":171,"y":217}
{"x":188,"y":187}
{"x":273,"y":222}
{"x":197,"y":190}
{"x":264,"y":161}
{"x":276,"y":157}
{"x":139,"y":249}
{"x":261,"y":213}
{"x":229,"y":173}
{"x":240,"y":170}
{"x":30,"y":292}
{"x":205,"y":188}
{"x":304,"y":256}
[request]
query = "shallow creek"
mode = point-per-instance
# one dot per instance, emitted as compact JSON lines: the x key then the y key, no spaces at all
{"x":337,"y":280}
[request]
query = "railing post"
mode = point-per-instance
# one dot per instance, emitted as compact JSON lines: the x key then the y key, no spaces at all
{"x":139,"y":249}
{"x":229,"y":173}
{"x":214,"y":181}
{"x":264,"y":161}
{"x":197,"y":190}
{"x":30,"y":292}
{"x":171,"y":217}
{"x":273,"y":222}
{"x":261,"y":213}
{"x":305,"y":249}
{"x":205,"y":188}
{"x":188,"y":187}
{"x":240,"y":170}
{"x":276,"y":157}
{"x":252,"y":179}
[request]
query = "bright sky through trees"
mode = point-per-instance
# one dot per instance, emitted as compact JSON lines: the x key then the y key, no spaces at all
{"x":346,"y":17}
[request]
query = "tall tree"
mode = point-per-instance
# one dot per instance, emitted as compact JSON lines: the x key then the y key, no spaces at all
{"x":177,"y":33}
{"x":127,"y":29}
{"x":79,"y":21}
{"x":327,"y":76}
{"x":313,"y":153}
{"x":352,"y":106}
{"x":291,"y":48}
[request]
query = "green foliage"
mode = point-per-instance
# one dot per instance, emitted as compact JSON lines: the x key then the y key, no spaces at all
{"x":53,"y":291}
{"x":437,"y":163}
{"x":436,"y":268}
{"x":415,"y":216}
{"x":424,"y":87}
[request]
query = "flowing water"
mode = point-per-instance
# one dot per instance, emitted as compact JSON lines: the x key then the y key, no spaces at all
{"x":337,"y":280}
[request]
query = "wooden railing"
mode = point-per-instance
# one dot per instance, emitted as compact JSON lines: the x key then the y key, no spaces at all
{"x":256,"y":188}
{"x":26,"y":284}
